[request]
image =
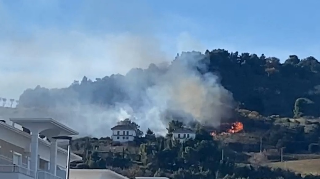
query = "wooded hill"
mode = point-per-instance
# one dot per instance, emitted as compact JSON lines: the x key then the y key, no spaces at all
{"x":258,"y":83}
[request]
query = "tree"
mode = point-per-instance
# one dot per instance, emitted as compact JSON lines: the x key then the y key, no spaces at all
{"x":292,"y":60}
{"x":202,"y":134}
{"x":173,"y":125}
{"x":150,"y":135}
{"x":127,"y":121}
{"x":300,"y":107}
{"x":4,"y":101}
{"x":11,"y":102}
{"x":149,"y":132}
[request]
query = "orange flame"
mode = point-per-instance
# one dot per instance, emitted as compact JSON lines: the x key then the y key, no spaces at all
{"x":236,"y":127}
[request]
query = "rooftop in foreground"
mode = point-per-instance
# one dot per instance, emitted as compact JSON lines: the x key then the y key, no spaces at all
{"x":46,"y":123}
{"x":97,"y":173}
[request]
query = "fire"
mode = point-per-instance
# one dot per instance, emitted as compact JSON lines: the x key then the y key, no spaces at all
{"x":236,"y":127}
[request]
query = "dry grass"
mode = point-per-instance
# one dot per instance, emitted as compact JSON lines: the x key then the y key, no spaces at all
{"x":310,"y":166}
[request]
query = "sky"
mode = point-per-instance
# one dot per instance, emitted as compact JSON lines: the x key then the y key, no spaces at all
{"x":53,"y":42}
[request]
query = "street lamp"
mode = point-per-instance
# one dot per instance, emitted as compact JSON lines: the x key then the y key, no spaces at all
{"x":69,"y":152}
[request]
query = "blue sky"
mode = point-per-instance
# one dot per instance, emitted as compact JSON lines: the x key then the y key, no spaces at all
{"x":51,"y":43}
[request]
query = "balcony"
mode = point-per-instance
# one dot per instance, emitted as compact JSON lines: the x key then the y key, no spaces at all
{"x":46,"y":175}
{"x":15,"y":171}
{"x":10,"y":171}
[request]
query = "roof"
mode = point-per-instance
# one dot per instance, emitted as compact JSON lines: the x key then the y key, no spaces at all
{"x":183,"y":130}
{"x":94,"y":174}
{"x":45,"y":123}
{"x":123,"y":127}
{"x":20,"y":132}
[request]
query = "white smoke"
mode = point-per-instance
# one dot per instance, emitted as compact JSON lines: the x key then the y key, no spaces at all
{"x":152,"y":97}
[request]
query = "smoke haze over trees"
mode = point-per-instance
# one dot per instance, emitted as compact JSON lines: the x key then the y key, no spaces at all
{"x":183,"y":90}
{"x":194,"y":86}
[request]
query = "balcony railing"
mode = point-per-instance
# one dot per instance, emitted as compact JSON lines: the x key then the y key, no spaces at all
{"x":16,"y":169}
{"x":46,"y":175}
{"x":7,"y":166}
{"x":7,"y":161}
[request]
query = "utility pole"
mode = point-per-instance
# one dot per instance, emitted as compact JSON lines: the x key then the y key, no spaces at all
{"x":281,"y":154}
{"x":222,"y":154}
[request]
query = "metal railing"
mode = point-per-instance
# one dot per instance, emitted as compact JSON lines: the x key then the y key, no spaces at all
{"x":16,"y":169}
{"x":46,"y":175}
{"x":8,"y":161}
{"x":7,"y":166}
{"x":5,"y":160}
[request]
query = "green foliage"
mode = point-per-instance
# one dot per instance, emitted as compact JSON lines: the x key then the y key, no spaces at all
{"x":300,"y":107}
{"x":133,"y":124}
{"x":173,"y":125}
{"x":272,"y":89}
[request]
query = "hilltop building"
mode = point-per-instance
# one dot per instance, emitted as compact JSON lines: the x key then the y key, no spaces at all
{"x":123,"y":133}
{"x":183,"y":134}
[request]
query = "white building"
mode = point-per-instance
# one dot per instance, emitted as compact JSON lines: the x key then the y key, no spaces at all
{"x":23,"y":155}
{"x":183,"y":134}
{"x":101,"y":174}
{"x":123,"y":133}
{"x":95,"y":174}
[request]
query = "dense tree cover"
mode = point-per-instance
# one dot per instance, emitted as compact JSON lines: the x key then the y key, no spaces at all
{"x":258,"y":83}
{"x":163,"y":156}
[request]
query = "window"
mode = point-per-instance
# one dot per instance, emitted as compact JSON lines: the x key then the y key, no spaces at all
{"x":118,"y":132}
{"x":117,"y":137}
{"x":188,"y":136}
{"x":123,"y":138}
{"x":17,"y":158}
{"x":184,"y":135}
{"x":127,"y":132}
{"x":124,"y":132}
{"x":178,"y":135}
{"x":127,"y":137}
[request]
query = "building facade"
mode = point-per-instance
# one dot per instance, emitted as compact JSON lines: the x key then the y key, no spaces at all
{"x":23,"y":154}
{"x":123,"y":133}
{"x":183,"y":134}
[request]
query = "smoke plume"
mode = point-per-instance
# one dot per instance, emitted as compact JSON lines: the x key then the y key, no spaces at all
{"x":182,"y":90}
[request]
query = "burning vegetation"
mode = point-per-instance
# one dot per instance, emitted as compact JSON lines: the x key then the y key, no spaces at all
{"x":227,"y":128}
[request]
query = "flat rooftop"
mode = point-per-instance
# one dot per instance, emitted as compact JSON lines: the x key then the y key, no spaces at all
{"x":48,"y":123}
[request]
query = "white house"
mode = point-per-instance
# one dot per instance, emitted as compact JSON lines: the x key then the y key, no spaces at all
{"x":123,"y":133}
{"x":183,"y":134}
{"x":24,"y":155}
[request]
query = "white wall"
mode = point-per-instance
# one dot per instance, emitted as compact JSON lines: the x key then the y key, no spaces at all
{"x":182,"y":138}
{"x":131,"y":132}
{"x":23,"y":141}
{"x":123,"y":137}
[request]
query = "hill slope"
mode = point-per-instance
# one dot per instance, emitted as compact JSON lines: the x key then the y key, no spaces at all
{"x":254,"y":82}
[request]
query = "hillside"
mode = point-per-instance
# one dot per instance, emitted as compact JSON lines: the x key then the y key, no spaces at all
{"x":258,"y":83}
{"x":275,"y":103}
